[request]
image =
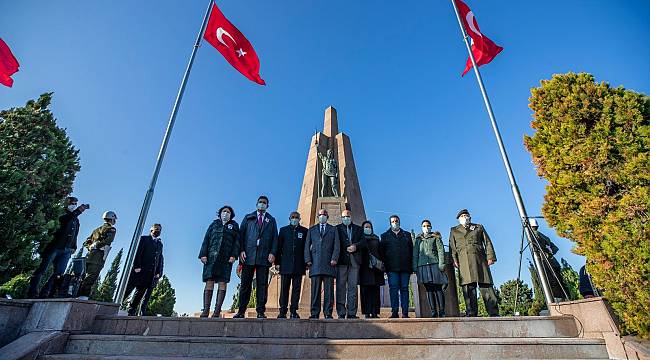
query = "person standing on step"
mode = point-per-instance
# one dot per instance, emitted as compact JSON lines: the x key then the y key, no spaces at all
{"x":218,"y":252}
{"x":147,"y":270}
{"x":98,"y":245}
{"x":58,"y":251}
{"x":291,"y":262}
{"x":322,"y":250}
{"x":396,"y":250}
{"x":347,"y":268}
{"x":429,"y":265}
{"x":371,"y":273}
{"x":473,"y":254}
{"x":258,"y":246}
{"x":552,"y":267}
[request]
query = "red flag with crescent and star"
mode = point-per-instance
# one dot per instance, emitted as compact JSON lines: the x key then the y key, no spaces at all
{"x":233,"y":45}
{"x":8,"y":64}
{"x":484,"y":49}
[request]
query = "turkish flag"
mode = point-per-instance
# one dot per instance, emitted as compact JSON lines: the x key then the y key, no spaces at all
{"x":484,"y":49}
{"x":233,"y":45}
{"x":8,"y":65}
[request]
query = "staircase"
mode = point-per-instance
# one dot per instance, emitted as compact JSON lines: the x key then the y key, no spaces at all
{"x":118,"y":337}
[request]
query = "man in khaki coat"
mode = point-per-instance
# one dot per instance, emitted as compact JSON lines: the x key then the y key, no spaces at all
{"x":472,"y":251}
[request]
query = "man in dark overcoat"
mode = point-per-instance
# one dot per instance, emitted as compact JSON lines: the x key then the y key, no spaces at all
{"x":291,"y":261}
{"x":146,"y":271}
{"x":473,"y":254}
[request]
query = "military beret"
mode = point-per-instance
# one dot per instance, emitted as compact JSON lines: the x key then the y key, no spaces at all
{"x":464,"y":211}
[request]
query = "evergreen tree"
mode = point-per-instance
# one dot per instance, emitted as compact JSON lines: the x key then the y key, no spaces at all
{"x":38,"y":165}
{"x":572,"y":280}
{"x":524,"y":298}
{"x":592,"y":145}
{"x":106,"y":290}
{"x":163,"y":298}
{"x":539,"y":303}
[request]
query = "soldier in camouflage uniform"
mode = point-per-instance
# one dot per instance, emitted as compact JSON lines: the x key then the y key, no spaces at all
{"x":98,"y":245}
{"x":473,"y":254}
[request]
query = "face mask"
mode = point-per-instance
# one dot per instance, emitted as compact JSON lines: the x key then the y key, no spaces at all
{"x":394,"y":226}
{"x":322,"y":219}
{"x":347,"y":221}
{"x":261,"y":206}
{"x":426,"y":229}
{"x":155,"y":233}
{"x":464,"y":220}
{"x":71,"y":207}
{"x":367,"y":231}
{"x":294,"y":222}
{"x":225,"y":216}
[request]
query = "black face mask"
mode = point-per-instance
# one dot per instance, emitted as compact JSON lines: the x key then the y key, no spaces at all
{"x":156,"y":233}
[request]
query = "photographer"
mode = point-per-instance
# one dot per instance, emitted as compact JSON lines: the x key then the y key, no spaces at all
{"x":58,"y":251}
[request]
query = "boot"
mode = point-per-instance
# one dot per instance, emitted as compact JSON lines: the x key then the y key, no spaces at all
{"x":221,"y":295}
{"x":431,"y":299}
{"x":440,"y":297}
{"x":207,"y":299}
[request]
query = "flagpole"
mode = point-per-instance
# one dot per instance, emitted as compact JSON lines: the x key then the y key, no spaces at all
{"x":124,"y":279}
{"x":504,"y":156}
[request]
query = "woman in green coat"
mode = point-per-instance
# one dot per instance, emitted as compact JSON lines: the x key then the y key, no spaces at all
{"x":219,"y":250}
{"x":429,"y":264}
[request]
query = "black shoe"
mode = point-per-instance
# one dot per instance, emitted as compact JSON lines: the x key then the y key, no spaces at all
{"x":341,"y":317}
{"x":329,"y":317}
{"x":294,"y":315}
{"x":405,"y":316}
{"x":282,"y":316}
{"x":375,"y":316}
{"x":261,"y":316}
{"x":367,"y":316}
{"x":238,"y":316}
{"x":352,"y":317}
{"x":394,"y":315}
{"x":313,"y":317}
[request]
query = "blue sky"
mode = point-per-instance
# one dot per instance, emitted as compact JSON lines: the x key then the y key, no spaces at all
{"x":420,"y":134}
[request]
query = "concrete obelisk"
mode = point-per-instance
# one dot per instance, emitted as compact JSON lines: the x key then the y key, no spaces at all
{"x":340,"y":193}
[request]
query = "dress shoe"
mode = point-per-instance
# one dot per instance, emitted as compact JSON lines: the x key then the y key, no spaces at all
{"x":394,"y":315}
{"x":367,"y":316}
{"x":294,"y":315}
{"x":282,"y":316}
{"x":238,"y":316}
{"x":329,"y":317}
{"x":352,"y":317}
{"x":313,"y":317}
{"x":341,"y":317}
{"x":261,"y":316}
{"x":405,"y":316}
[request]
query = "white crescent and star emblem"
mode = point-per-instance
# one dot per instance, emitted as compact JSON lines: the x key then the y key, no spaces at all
{"x":470,"y":22}
{"x":220,"y":33}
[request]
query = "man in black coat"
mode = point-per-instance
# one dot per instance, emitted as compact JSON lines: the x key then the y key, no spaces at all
{"x":291,"y":260}
{"x":347,"y":269}
{"x":396,"y":250}
{"x":147,"y":270}
{"x":58,"y":251}
{"x":259,"y":244}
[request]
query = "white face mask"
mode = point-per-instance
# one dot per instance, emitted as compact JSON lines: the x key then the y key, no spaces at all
{"x":367,"y":231}
{"x":394,"y":226}
{"x":261,"y":206}
{"x":464,"y":220}
{"x":71,"y":207}
{"x":225,"y":216}
{"x":322,"y":219}
{"x":426,"y":229}
{"x":346,"y":220}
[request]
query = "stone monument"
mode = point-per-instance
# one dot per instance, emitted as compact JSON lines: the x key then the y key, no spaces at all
{"x":330,"y":182}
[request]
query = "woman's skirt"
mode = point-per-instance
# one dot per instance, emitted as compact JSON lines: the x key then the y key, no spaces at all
{"x":430,"y":274}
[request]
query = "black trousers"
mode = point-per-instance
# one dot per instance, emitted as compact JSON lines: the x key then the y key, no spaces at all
{"x":370,"y":299}
{"x":295,"y":282}
{"x":140,"y":292}
{"x":489,"y":298}
{"x":261,"y":289}
{"x":326,"y":285}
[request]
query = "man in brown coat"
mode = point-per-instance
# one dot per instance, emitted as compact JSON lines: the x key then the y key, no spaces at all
{"x":472,"y":251}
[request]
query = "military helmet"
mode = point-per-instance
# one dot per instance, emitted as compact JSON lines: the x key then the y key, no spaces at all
{"x":109,"y":215}
{"x":533,"y":223}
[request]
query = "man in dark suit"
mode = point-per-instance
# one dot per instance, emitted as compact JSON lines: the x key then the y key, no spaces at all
{"x":291,"y":260}
{"x":347,"y":268}
{"x":321,"y":255}
{"x":147,"y":270}
{"x":259,"y":244}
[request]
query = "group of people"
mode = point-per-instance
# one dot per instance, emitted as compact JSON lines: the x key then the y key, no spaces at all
{"x":146,"y":270}
{"x":348,"y":255}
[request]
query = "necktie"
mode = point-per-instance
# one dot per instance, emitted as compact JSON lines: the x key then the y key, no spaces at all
{"x":322,"y":230}
{"x":259,"y":220}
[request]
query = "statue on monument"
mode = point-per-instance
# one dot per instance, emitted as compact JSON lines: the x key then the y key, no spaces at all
{"x":330,"y":173}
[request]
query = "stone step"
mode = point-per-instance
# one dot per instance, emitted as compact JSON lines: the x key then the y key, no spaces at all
{"x":280,"y":348}
{"x":441,"y":328}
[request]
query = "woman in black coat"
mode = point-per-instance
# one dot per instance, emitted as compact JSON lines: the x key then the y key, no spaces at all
{"x":370,"y":278}
{"x":219,"y":250}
